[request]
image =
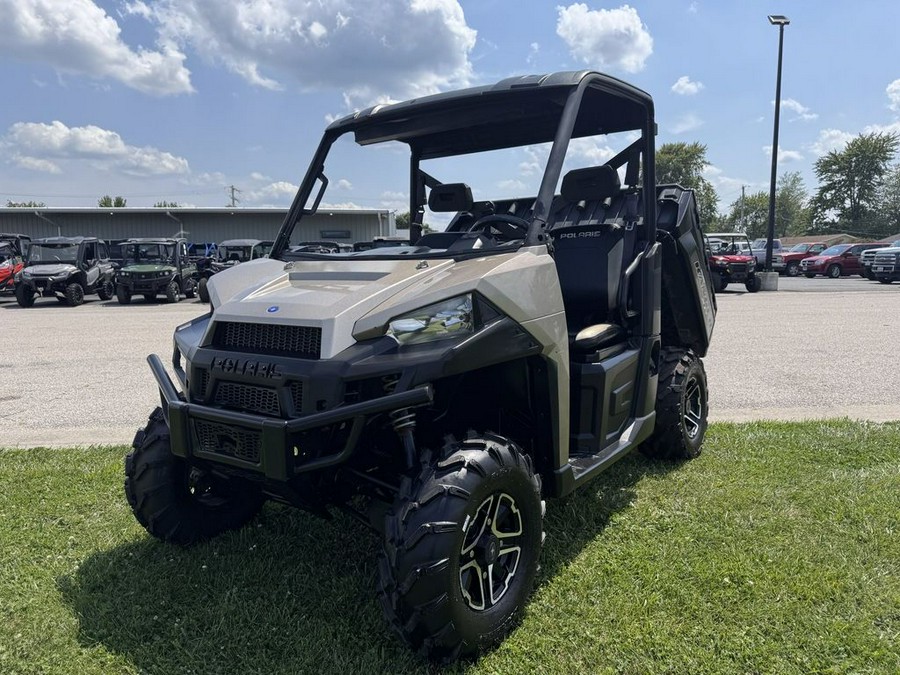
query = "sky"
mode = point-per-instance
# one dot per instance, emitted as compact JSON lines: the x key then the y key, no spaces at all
{"x":179,"y":100}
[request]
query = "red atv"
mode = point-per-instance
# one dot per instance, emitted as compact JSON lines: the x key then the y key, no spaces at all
{"x":12,"y":252}
{"x":731,"y":260}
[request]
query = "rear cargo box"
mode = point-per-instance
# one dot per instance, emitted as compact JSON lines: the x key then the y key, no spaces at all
{"x":688,"y":302}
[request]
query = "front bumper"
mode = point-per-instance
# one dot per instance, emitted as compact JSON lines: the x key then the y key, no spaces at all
{"x":138,"y":286}
{"x":45,"y":286}
{"x":268,"y":446}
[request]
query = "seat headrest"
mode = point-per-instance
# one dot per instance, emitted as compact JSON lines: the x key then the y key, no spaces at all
{"x":450,"y":197}
{"x":590,"y":184}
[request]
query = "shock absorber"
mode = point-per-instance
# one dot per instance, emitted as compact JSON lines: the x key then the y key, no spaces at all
{"x":404,"y":422}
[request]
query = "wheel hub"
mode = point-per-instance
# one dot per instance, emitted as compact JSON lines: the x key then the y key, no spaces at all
{"x":490,"y":551}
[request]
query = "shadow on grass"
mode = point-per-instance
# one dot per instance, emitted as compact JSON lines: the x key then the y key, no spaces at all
{"x":573,"y":522}
{"x":287,"y":594}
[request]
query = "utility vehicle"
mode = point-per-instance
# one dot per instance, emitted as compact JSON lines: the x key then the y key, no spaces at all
{"x":731,"y":260}
{"x":440,"y":391}
{"x":154,"y":266}
{"x":65,"y":268}
{"x":227,"y":254}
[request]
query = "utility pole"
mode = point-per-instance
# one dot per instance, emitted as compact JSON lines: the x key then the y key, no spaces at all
{"x":743,"y":225}
{"x":234,"y":200}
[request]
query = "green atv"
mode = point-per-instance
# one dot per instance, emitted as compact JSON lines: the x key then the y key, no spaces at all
{"x":155,"y":266}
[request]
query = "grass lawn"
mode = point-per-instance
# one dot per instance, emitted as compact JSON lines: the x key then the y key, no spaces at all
{"x":777,"y":551}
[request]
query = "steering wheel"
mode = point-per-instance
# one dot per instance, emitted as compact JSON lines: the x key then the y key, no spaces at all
{"x":509,"y":226}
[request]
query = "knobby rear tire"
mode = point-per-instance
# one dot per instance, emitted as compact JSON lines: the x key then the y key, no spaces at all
{"x":682,"y":407}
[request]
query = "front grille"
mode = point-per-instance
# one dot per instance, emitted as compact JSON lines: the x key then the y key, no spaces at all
{"x":738,"y":268}
{"x":229,"y":441}
{"x":247,"y":397}
{"x":885,"y":259}
{"x":302,"y":342}
{"x":867,"y":256}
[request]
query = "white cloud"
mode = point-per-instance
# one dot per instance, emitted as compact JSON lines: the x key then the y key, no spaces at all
{"x":35,"y":164}
{"x":686,"y":123}
{"x":78,"y":37}
{"x":344,"y":184}
{"x":686,"y":87}
{"x":590,"y":149}
{"x":511,"y":185}
{"x":533,"y":49}
{"x":403,"y":48}
{"x":803,"y":113}
{"x":893,"y":92}
{"x":256,"y":175}
{"x":275,"y":193}
{"x":606,"y":38}
{"x":829,"y":139}
{"x":35,"y":145}
{"x":786,"y":156}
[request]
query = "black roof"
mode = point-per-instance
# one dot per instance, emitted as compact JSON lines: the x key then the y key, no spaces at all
{"x":64,"y":240}
{"x":516,"y":111}
{"x":152,"y":240}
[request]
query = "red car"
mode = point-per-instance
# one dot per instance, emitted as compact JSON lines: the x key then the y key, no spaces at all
{"x":837,"y":261}
{"x":788,"y":262}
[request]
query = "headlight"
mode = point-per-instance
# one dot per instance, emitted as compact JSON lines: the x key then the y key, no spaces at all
{"x":721,"y":263}
{"x":440,"y":321}
{"x":26,"y":274}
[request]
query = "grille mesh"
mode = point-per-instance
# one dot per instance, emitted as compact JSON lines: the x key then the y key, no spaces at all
{"x":247,"y":397}
{"x":297,"y":396}
{"x":230,"y":441}
{"x":304,"y":342}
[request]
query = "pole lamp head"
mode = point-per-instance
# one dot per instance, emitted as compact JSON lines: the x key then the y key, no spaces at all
{"x":778,"y":20}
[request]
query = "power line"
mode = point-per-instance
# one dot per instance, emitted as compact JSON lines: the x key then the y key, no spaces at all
{"x":234,"y":200}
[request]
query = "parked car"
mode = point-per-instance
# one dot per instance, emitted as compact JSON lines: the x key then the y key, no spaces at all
{"x":836,"y":261}
{"x":731,"y":261}
{"x":154,"y":266}
{"x":867,"y":260}
{"x":758,"y":246}
{"x":788,"y":261}
{"x":65,"y":268}
{"x":886,"y":267}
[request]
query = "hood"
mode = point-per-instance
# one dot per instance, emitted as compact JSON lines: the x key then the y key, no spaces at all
{"x":52,"y":270}
{"x":156,"y":267}
{"x":348,"y":299}
{"x":734,"y":258}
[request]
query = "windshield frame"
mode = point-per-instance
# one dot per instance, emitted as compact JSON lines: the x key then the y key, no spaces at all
{"x":367,"y":126}
{"x":67,"y":246}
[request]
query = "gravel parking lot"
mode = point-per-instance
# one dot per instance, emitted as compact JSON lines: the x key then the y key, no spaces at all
{"x":817,"y":348}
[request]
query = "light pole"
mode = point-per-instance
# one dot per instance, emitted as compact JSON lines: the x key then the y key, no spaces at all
{"x":780,"y":21}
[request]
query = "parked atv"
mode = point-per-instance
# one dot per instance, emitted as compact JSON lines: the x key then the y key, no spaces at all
{"x":731,"y":260}
{"x":441,"y":392}
{"x":12,"y":259}
{"x":155,"y":266}
{"x":65,"y":268}
{"x":228,"y":254}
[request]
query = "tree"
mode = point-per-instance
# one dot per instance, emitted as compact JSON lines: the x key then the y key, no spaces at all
{"x":106,"y":202}
{"x":791,"y":213}
{"x":850,"y":180}
{"x":24,"y":205}
{"x":401,"y":220}
{"x":755,"y":210}
{"x":684,"y":163}
{"x":166,"y":205}
{"x":887,"y":221}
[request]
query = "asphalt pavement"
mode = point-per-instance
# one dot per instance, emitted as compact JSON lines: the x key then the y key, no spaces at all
{"x":816,"y":348}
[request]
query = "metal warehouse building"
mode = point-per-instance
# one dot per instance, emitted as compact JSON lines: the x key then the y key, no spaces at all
{"x":196,"y":224}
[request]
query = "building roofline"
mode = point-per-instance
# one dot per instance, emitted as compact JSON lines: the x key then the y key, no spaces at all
{"x":126,"y":210}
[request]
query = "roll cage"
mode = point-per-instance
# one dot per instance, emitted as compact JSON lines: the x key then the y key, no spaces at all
{"x":521,"y":111}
